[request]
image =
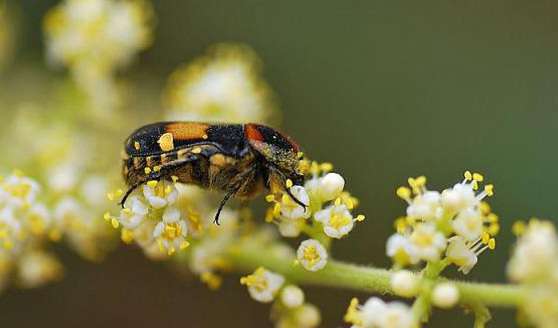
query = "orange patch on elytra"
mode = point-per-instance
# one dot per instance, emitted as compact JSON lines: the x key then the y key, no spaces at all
{"x":187,"y":130}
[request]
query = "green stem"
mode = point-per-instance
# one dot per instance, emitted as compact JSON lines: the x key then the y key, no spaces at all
{"x":248,"y":256}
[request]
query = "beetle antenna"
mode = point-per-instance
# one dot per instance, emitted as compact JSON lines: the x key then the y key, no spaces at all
{"x":127,"y":194}
{"x":296,"y":200}
{"x":285,"y":189}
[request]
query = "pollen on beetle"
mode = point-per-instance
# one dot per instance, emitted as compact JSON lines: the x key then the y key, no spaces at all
{"x":196,"y":150}
{"x":137,"y":145}
{"x":166,"y":142}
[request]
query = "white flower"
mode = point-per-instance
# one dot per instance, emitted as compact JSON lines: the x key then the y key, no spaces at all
{"x":307,"y":316}
{"x":400,"y":249}
{"x":468,"y":224}
{"x":223,"y":86}
{"x":428,"y":242}
{"x":458,"y":198}
{"x":63,"y":177}
{"x":171,"y":232}
{"x":160,"y":194}
{"x":460,"y":254}
{"x":39,"y":219}
{"x":292,"y":296}
{"x":425,"y":206}
{"x":93,"y":190}
{"x":371,"y":311}
{"x":289,"y":228}
{"x":445,"y":295}
{"x":36,"y":268}
{"x":18,"y":190}
{"x":263,"y":285}
{"x":325,"y":188}
{"x":404,"y":283}
{"x":311,"y":255}
{"x":292,"y":210}
{"x":376,"y":313}
{"x":535,"y":257}
{"x":337,"y":220}
{"x":134,"y":213}
{"x":10,"y":230}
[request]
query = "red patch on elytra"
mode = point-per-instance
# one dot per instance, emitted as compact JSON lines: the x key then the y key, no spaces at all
{"x":252,"y":133}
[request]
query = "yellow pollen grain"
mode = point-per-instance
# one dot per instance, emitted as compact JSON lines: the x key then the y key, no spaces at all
{"x":137,"y":145}
{"x":107,"y":216}
{"x":212,"y":280}
{"x":326,"y":167}
{"x":485,"y":238}
{"x":147,"y":170}
{"x":403,"y":192}
{"x":518,"y":228}
{"x":114,"y":223}
{"x":166,"y":142}
{"x":127,"y":236}
{"x":289,"y":183}
{"x":196,"y":150}
{"x":489,"y":189}
{"x":478,"y":177}
{"x":468,"y":175}
{"x":299,"y":155}
{"x":152,"y":183}
{"x":184,"y":245}
{"x":270,"y":198}
{"x":204,"y":137}
{"x":493,"y":229}
{"x":110,"y":196}
{"x":492,"y":243}
{"x":157,"y":168}
{"x":360,"y":218}
{"x":174,"y":178}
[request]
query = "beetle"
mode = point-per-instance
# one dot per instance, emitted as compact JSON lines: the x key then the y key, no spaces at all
{"x":239,"y":159}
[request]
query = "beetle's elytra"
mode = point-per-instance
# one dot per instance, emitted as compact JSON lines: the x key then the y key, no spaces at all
{"x":239,"y":159}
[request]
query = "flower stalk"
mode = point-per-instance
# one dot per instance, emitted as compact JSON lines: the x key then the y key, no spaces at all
{"x":247,"y":257}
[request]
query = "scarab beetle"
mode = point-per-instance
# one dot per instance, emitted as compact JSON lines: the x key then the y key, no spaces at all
{"x":239,"y":159}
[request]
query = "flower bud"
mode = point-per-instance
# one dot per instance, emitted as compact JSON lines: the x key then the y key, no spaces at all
{"x":445,"y":295}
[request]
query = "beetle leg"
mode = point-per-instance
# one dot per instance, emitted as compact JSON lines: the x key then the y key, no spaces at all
{"x":242,"y":182}
{"x":158,"y":175}
{"x":128,"y":192}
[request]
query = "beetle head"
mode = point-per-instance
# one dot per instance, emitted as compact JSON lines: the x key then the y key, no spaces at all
{"x":280,"y":153}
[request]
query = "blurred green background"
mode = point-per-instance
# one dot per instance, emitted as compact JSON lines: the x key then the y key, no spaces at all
{"x":384,"y":90}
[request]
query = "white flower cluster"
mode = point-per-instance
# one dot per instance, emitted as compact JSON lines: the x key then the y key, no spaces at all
{"x":456,"y":223}
{"x":375,"y":313}
{"x":151,"y":218}
{"x":534,"y":264}
{"x":25,"y":223}
{"x":224,"y":85}
{"x":329,"y":205}
{"x":103,"y":33}
{"x":93,"y":38}
{"x":289,"y":309}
